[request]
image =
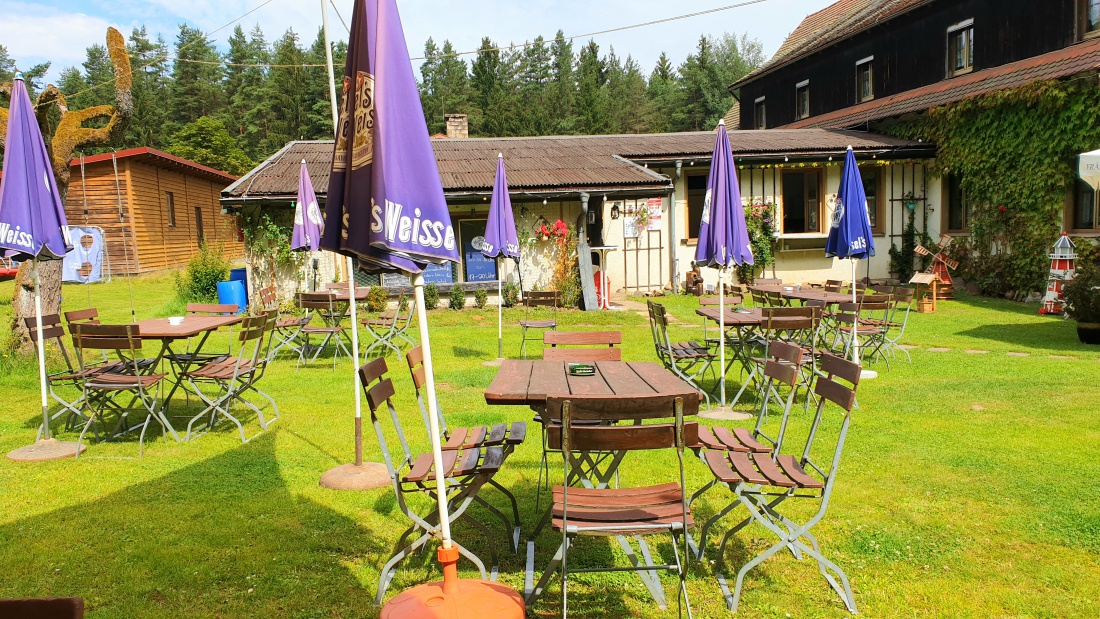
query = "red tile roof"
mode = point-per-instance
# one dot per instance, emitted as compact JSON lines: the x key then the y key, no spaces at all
{"x":834,"y":23}
{"x":1071,"y":60}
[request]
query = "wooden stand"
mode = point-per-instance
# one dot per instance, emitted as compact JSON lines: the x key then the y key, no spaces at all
{"x":931,"y":282}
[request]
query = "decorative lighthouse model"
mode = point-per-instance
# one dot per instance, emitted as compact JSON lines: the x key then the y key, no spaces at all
{"x":1061,"y":271}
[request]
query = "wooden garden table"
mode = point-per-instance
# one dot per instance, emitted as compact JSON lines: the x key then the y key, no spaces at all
{"x":804,"y":294}
{"x":167,"y":333}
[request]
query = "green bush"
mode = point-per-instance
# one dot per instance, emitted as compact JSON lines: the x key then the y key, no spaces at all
{"x":377,"y":299}
{"x":458,"y":297}
{"x":511,"y":294}
{"x":431,"y":296}
{"x":1083,"y":295}
{"x":403,"y":304}
{"x":481,"y":298}
{"x":199,"y":281}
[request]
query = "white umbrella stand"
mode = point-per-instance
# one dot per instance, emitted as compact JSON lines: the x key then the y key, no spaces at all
{"x":47,"y":448}
{"x":864,"y":373}
{"x":495,"y":363}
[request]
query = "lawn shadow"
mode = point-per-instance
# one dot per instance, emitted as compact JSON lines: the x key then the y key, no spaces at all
{"x":222,"y":537}
{"x":468,"y":353}
{"x":1043,"y":336}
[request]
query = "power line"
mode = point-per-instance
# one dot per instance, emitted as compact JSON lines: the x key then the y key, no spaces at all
{"x":488,"y":49}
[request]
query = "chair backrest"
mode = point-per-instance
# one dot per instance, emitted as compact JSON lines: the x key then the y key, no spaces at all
{"x":783,"y":363}
{"x":541,"y":299}
{"x":322,"y":301}
{"x":768,"y":281}
{"x":904,"y":295}
{"x":88,"y":316}
{"x":759,"y":299}
{"x":269,"y":298}
{"x":733,"y":299}
{"x":52,"y":331}
{"x":570,"y":408}
{"x":582,"y":338}
{"x":379,"y":391}
{"x":582,"y":354}
{"x":212,"y":308}
{"x":658,"y":322}
{"x":123,"y":339}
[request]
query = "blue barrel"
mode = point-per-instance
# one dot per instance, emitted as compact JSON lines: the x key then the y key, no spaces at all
{"x":232,"y":292}
{"x":240,"y":275}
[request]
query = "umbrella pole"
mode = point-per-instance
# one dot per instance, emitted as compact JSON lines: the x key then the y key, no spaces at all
{"x":355,"y":364}
{"x":855,"y":325}
{"x":722,"y":332}
{"x":433,"y":410}
{"x":41,"y":344}
{"x":500,"y":312}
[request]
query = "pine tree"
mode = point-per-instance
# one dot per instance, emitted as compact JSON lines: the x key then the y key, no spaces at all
{"x":429,"y":88}
{"x":698,"y":76}
{"x":245,"y":116}
{"x":286,"y":91}
{"x":488,"y":83}
{"x":664,"y":95}
{"x":32,"y":76}
{"x":453,"y":83}
{"x":629,"y":109}
{"x":196,"y":89}
{"x":563,"y":89}
{"x":534,"y":89}
{"x":151,"y":90}
{"x":592,"y":101}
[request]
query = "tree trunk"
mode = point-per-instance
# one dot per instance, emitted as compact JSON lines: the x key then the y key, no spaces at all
{"x":22,"y":302}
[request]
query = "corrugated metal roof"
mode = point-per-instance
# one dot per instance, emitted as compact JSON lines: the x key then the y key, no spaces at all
{"x":1071,"y":60}
{"x":831,"y":24}
{"x":559,"y":163}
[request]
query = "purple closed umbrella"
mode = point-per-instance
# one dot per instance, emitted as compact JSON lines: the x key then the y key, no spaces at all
{"x":723,"y":234}
{"x":32,"y":217}
{"x":501,"y":240}
{"x":308,"y":222}
{"x":385,"y":201}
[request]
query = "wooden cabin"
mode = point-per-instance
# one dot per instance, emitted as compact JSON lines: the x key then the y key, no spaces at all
{"x":154,"y":211}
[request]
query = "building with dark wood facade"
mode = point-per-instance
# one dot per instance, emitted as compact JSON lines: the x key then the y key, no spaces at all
{"x":863,"y":64}
{"x":154,"y":208}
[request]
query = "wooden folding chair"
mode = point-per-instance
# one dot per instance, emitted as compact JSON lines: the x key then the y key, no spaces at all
{"x":617,"y":512}
{"x":69,"y":376}
{"x":502,"y":435}
{"x":104,"y":390}
{"x":762,"y":482}
{"x":232,"y":377}
{"x":287,"y":327}
{"x":688,"y":360}
{"x":390,"y":330}
{"x":732,"y":301}
{"x":895,"y":326}
{"x":605,"y":343}
{"x":466,"y":471}
{"x":535,"y":301}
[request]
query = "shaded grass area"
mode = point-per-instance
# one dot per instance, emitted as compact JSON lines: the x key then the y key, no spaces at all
{"x":969,"y":487}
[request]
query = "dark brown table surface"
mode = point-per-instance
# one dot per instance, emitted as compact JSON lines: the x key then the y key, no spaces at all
{"x":342,"y":293}
{"x":748,"y":317}
{"x":529,"y":382}
{"x":160,"y":329}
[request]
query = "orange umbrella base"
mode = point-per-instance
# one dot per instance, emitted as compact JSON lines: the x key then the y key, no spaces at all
{"x":478,"y":599}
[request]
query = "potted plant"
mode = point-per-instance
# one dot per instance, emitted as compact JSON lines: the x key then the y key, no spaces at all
{"x":1083,"y":303}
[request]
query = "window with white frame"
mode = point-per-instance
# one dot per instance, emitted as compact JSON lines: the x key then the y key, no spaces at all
{"x":802,"y":99}
{"x":960,"y":48}
{"x":865,"y":87}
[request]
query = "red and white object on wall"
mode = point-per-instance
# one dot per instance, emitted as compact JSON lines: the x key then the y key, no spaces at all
{"x":1062,"y":257}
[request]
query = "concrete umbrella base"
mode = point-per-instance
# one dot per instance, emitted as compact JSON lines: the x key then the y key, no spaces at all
{"x":724,"y":413}
{"x":47,"y":449}
{"x":367,"y":476}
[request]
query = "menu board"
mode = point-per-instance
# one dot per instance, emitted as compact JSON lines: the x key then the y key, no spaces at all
{"x":477,"y":267}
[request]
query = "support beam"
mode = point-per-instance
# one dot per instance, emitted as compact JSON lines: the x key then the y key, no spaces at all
{"x":584,"y":258}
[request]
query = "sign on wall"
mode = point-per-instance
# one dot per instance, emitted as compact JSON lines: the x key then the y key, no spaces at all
{"x":477,"y":268}
{"x":654,"y":206}
{"x":434,"y":274}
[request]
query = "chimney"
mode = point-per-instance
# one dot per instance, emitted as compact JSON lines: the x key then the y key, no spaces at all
{"x":458,"y":125}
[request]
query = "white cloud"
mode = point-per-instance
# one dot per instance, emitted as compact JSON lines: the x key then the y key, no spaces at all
{"x":35,"y":33}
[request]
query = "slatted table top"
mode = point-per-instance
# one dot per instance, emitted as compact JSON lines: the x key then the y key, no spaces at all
{"x":529,"y":382}
{"x":159,"y":328}
{"x":805,"y":294}
{"x":741,"y":317}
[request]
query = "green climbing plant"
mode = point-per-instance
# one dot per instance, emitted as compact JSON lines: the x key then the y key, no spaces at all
{"x":1013,"y":152}
{"x":267,"y":241}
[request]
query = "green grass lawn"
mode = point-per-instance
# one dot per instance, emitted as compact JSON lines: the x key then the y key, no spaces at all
{"x":970,"y":487}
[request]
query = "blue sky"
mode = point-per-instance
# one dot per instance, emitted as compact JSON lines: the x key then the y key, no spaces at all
{"x":60,"y":30}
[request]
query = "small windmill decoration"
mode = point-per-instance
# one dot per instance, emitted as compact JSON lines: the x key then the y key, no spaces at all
{"x":941,"y":265}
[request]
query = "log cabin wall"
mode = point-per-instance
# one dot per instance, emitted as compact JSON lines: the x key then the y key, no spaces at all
{"x":146,"y":240}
